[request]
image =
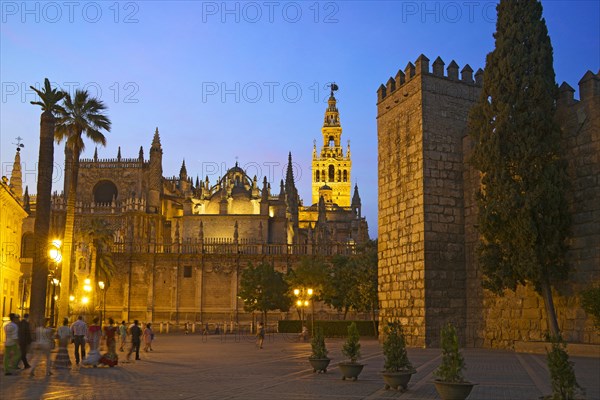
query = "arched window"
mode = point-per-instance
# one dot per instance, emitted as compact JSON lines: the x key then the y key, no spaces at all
{"x":345,"y":176}
{"x":317,"y":176}
{"x":339,"y":176}
{"x":104,"y":192}
{"x":331,"y":173}
{"x":331,"y":141}
{"x":323,"y":176}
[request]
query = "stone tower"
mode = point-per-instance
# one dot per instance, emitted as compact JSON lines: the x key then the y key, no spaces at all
{"x":332,"y":167}
{"x":421,"y":123}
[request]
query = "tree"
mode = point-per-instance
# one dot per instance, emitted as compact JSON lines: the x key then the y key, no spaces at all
{"x":523,"y":220}
{"x":100,"y":235}
{"x":82,"y":114}
{"x":367,"y":278}
{"x":341,"y":290}
{"x":49,"y":101}
{"x":264,"y":289}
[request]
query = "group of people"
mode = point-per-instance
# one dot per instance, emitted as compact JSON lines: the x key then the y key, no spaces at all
{"x":20,"y":342}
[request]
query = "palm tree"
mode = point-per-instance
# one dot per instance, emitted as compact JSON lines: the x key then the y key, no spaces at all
{"x":100,"y":235}
{"x":49,"y":101}
{"x":82,"y":115}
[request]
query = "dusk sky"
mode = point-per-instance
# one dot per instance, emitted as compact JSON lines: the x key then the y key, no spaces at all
{"x":246,"y":81}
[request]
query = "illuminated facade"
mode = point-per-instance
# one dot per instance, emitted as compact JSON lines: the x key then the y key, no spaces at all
{"x":180,"y":245}
{"x":11,"y":218}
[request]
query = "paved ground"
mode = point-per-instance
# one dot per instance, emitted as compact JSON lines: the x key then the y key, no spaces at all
{"x":196,"y":367}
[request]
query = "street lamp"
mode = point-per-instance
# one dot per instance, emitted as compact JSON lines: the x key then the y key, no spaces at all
{"x":55,"y":254}
{"x":303,"y":300}
{"x":102,"y":287}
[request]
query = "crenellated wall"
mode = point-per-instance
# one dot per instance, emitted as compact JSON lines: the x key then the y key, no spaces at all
{"x":428,"y":272}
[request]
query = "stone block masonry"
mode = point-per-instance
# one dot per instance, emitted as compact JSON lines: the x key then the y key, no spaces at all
{"x":428,"y":272}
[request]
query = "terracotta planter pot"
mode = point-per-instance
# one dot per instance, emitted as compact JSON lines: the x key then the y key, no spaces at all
{"x":319,"y":364}
{"x":397,"y":380}
{"x":453,"y":390}
{"x":350,"y":370}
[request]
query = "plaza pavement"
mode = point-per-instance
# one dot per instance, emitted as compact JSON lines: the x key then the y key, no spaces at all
{"x":231,"y":367}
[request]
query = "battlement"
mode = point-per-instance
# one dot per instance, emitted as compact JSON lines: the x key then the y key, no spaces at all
{"x":589,"y":87}
{"x":421,"y":67}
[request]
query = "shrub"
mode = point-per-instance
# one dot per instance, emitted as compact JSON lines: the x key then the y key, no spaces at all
{"x":351,"y":348}
{"x":590,"y":302}
{"x":450,"y":370}
{"x":317,"y":344}
{"x":562,"y":375}
{"x":394,"y":349}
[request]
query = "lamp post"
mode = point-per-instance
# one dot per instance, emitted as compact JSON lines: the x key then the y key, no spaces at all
{"x":55,"y":255}
{"x":303,"y":296}
{"x":103,"y":287}
{"x":87,"y":289}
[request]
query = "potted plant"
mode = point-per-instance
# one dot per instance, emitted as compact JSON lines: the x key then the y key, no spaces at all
{"x":397,"y":369}
{"x":318,"y":358}
{"x":451,"y":384}
{"x":351,"y":349}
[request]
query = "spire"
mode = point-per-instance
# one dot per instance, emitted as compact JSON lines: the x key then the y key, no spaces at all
{"x":281,"y":191}
{"x":322,"y":218}
{"x":289,"y":174}
{"x":197,"y":182}
{"x":26,"y":200}
{"x":16,"y":184}
{"x":183,"y":171}
{"x":355,"y":196}
{"x":156,"y":140}
{"x":141,"y":153}
{"x":96,"y":154}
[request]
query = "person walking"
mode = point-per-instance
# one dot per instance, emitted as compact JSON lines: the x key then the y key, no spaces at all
{"x":79,"y":330}
{"x":148,"y":336}
{"x":44,"y":337}
{"x":260,"y":335}
{"x":11,"y":344}
{"x":64,"y":336}
{"x":110,"y":358}
{"x":94,"y":335}
{"x":123,"y":335}
{"x":24,"y":339}
{"x":136,"y":333}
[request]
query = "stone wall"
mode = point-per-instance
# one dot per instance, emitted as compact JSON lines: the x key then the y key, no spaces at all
{"x":428,"y":271}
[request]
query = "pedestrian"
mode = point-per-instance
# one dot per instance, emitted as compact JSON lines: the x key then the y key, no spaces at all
{"x":44,"y":340}
{"x":11,"y":344}
{"x":123,"y":335}
{"x":148,"y":336}
{"x":64,"y":336}
{"x":79,"y":329}
{"x":110,"y":358}
{"x":94,"y":335}
{"x":136,"y":333}
{"x":260,"y":335}
{"x":24,"y":339}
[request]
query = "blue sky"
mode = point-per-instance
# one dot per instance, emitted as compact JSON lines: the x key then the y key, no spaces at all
{"x":246,"y":81}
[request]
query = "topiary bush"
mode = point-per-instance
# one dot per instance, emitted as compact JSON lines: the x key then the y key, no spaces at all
{"x":317,"y":344}
{"x":394,"y":349}
{"x":453,"y":363}
{"x":351,"y":347}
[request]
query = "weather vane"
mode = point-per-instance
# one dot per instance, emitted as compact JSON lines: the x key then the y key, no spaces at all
{"x":333,"y":87}
{"x":19,"y":145}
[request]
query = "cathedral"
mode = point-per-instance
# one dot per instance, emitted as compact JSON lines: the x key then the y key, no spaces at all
{"x":179,"y":245}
